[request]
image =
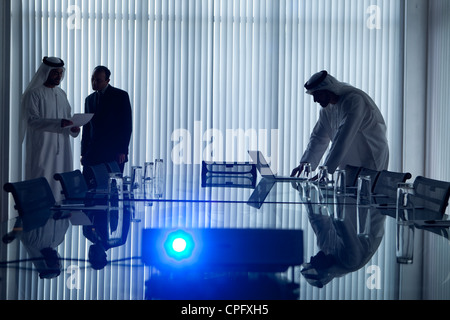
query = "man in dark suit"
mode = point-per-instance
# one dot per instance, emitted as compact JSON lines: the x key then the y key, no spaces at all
{"x":107,"y":136}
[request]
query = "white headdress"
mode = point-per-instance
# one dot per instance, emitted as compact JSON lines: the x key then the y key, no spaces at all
{"x":324,"y":81}
{"x":40,"y":77}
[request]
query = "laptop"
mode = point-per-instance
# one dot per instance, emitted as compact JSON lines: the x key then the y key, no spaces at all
{"x":260,"y":193}
{"x":264,"y":169}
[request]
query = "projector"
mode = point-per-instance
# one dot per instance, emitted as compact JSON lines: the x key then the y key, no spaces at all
{"x":219,"y":250}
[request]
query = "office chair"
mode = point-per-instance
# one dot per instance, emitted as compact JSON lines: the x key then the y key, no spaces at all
{"x":431,"y":195}
{"x":373,"y":174}
{"x":33,"y":201}
{"x":113,"y":167}
{"x":351,"y":175}
{"x":74,"y":186}
{"x":385,"y":188}
{"x":96,"y":176}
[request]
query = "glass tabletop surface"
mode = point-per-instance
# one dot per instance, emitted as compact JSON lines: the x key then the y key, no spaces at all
{"x":318,"y":245}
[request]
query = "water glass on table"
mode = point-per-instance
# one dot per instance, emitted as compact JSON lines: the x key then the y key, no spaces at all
{"x":339,"y":183}
{"x":405,"y":223}
{"x":306,"y":184}
{"x":363,"y":205}
{"x":339,"y":195}
{"x":115,"y":190}
{"x":148,"y":179}
{"x":159,"y":180}
{"x":136,"y":180}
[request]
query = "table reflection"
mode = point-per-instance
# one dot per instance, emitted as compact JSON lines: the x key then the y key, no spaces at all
{"x":40,"y":235}
{"x":346,"y":239}
{"x":335,"y":221}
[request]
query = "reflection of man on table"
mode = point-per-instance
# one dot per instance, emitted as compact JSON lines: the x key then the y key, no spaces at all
{"x":41,"y":236}
{"x":342,"y":249}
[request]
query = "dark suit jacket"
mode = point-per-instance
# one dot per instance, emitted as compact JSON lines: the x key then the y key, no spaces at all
{"x":108,"y":133}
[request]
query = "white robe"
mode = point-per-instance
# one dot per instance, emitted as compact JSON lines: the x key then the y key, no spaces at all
{"x":357,"y":131}
{"x":48,"y":146}
{"x":51,"y":235}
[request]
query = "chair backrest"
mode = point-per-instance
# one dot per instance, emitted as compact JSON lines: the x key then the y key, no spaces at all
{"x":387,"y":182}
{"x":33,"y":201}
{"x":431,"y":194}
{"x":373,"y":174}
{"x":96,"y":176}
{"x":113,"y":167}
{"x":351,"y":175}
{"x":73,"y":184}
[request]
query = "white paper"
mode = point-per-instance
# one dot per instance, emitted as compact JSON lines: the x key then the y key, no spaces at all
{"x":80,"y":119}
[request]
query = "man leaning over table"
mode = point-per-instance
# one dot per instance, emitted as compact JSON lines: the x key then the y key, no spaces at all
{"x":351,"y":121}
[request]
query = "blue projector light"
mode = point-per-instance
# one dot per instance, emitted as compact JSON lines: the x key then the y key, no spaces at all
{"x":222,"y":250}
{"x":179,"y":245}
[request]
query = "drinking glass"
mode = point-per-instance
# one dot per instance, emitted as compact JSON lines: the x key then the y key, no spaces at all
{"x":306,"y":173}
{"x":115,"y":191}
{"x":136,"y":179}
{"x":339,"y":183}
{"x":148,"y":179}
{"x":405,"y":205}
{"x":339,"y":195}
{"x":318,"y":200}
{"x":405,"y":223}
{"x":306,"y":184}
{"x":364,"y":191}
{"x":159,"y":180}
{"x":323,"y":178}
{"x":339,"y":207}
{"x":363,"y":205}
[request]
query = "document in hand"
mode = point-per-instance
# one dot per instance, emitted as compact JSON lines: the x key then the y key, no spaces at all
{"x":80,"y":119}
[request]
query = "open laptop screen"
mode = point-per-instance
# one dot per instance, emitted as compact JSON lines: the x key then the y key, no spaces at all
{"x":261,"y":164}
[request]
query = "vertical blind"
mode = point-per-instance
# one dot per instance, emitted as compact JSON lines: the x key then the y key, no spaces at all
{"x":438,"y":112}
{"x":436,"y":278}
{"x":211,"y":79}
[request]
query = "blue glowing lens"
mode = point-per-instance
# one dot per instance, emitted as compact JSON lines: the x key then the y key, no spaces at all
{"x":179,"y":245}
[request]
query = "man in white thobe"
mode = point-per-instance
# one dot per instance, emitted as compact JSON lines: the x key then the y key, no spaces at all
{"x":45,"y":114}
{"x":351,"y":121}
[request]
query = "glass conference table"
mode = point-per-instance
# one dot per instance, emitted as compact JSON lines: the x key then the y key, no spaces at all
{"x":99,"y":253}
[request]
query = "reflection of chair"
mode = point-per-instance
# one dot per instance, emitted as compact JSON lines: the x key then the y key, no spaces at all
{"x":113,"y":167}
{"x":109,"y":229}
{"x":351,"y":175}
{"x":40,"y":231}
{"x":74,"y":186}
{"x":96,"y":176}
{"x":431,"y":195}
{"x":385,"y":188}
{"x":34,"y":200}
{"x":230,"y":175}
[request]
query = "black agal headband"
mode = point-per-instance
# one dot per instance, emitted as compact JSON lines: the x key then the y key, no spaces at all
{"x":316,"y":80}
{"x":53,"y":64}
